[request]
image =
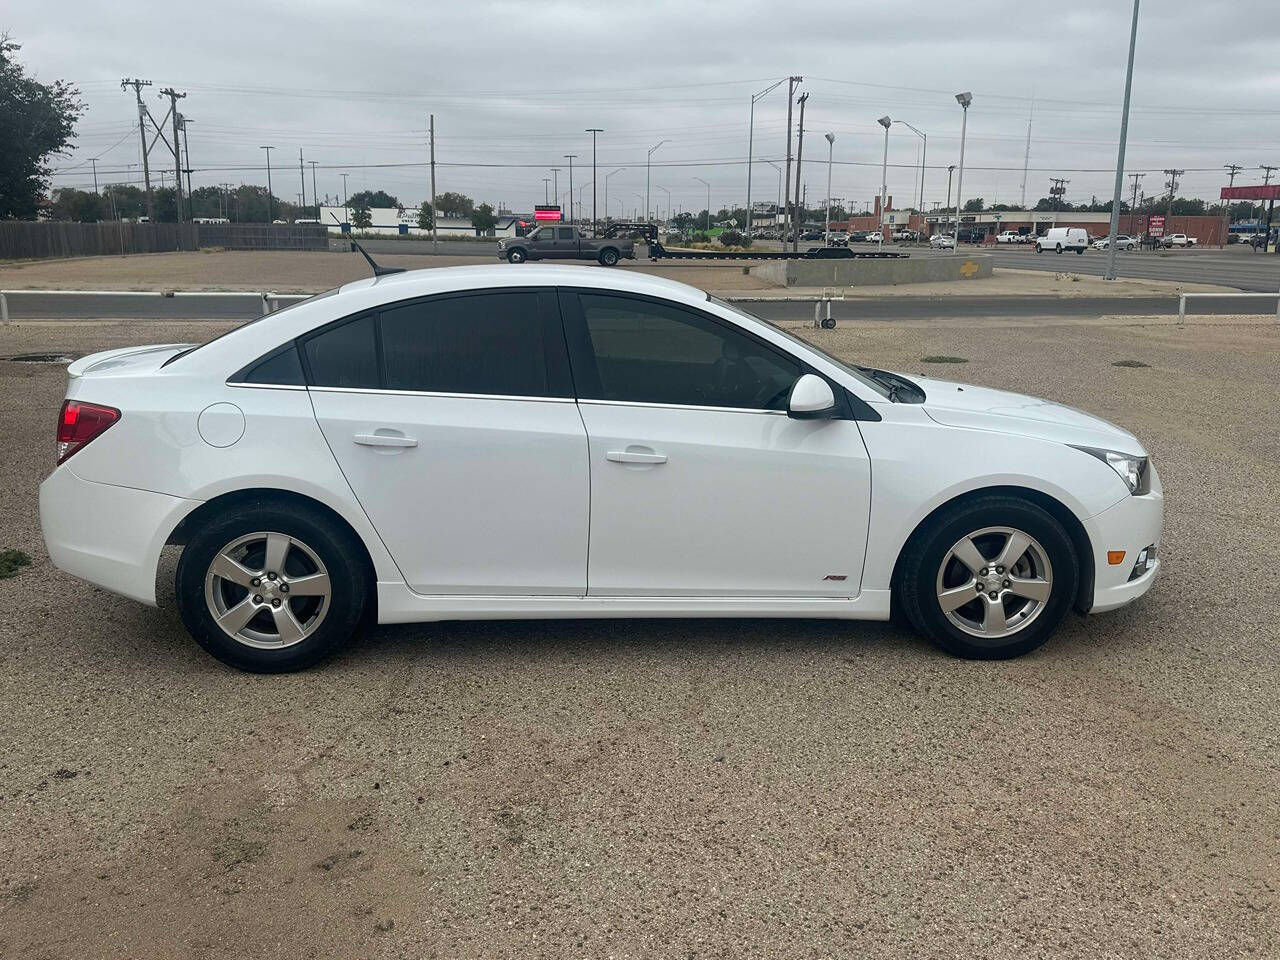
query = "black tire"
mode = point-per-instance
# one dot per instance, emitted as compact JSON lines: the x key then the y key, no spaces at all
{"x":335,"y":546}
{"x":917,"y":587}
{"x":516,"y":256}
{"x":1039,"y":249}
{"x":1058,"y":249}
{"x":1080,"y":251}
{"x":608,"y":257}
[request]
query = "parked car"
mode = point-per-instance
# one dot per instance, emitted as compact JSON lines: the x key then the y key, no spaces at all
{"x":905,"y":235}
{"x":941,"y":241}
{"x":871,"y":236}
{"x":1122,"y":243}
{"x":1178,"y":240}
{"x":837,"y":238}
{"x":1011,"y":236}
{"x":565,"y":243}
{"x":811,"y":235}
{"x":1059,"y":239}
{"x":475,"y":442}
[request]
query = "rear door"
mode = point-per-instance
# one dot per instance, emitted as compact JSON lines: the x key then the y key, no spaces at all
{"x":453,"y":419}
{"x":701,"y":485}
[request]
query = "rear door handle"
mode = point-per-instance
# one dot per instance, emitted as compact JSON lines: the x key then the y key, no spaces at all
{"x":633,"y":455}
{"x":385,"y":440}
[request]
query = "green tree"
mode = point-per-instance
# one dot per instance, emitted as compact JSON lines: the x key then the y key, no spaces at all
{"x":425,"y":221}
{"x":452,"y":204}
{"x":974,"y":206}
{"x":373,"y":199}
{"x":37,"y":121}
{"x":83,"y":206}
{"x":361,"y":216}
{"x":482,"y":219}
{"x":683,"y":221}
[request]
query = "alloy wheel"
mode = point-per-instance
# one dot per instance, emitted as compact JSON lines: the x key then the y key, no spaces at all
{"x":267,"y":590}
{"x":994,"y":582}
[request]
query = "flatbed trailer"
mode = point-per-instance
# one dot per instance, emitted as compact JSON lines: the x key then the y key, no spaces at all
{"x":658,"y":252}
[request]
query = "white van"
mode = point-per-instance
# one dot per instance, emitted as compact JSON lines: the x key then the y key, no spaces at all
{"x":1063,"y":238}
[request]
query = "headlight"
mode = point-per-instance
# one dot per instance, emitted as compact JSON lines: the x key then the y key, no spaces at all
{"x":1132,"y":470}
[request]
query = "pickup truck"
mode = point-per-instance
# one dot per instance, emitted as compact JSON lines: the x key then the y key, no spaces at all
{"x":1179,"y":240}
{"x":565,"y":243}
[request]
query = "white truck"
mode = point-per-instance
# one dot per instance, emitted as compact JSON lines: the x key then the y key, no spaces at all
{"x":1011,"y":236}
{"x":1178,"y":240}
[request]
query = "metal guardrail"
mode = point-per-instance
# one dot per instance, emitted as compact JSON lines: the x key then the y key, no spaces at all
{"x":270,"y":300}
{"x":1182,"y":301}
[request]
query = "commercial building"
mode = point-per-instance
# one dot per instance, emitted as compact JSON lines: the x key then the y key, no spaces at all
{"x":404,"y":222}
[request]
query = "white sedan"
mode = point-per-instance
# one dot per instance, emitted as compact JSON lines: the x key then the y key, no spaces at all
{"x":472,"y":443}
{"x":940,"y":241}
{"x":1122,"y":243}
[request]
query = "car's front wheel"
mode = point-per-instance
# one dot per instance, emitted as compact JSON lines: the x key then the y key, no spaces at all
{"x":516,"y":256}
{"x":272,"y":588}
{"x":989,"y":579}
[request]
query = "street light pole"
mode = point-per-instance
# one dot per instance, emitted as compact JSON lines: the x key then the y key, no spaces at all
{"x":595,"y":221}
{"x":884,"y":175}
{"x":1110,"y":273}
{"x":708,"y":186}
{"x":555,"y":185}
{"x":924,"y":149}
{"x":831,"y":143}
{"x":346,"y":213}
{"x":546,"y":191}
{"x":964,"y":99}
{"x":668,"y":193}
{"x":751,"y":132}
{"x":268,"y":149}
{"x":570,"y":157}
{"x":606,"y":192}
{"x":777,"y":210}
{"x":647,"y":160}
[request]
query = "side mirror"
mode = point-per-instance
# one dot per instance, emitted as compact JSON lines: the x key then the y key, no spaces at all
{"x":811,"y":399}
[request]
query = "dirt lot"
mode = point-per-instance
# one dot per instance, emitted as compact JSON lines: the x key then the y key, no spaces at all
{"x":288,"y":272}
{"x":671,"y":788}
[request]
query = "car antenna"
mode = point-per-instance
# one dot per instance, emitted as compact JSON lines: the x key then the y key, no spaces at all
{"x":377,"y":270}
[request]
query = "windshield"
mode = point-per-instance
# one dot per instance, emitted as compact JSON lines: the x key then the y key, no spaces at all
{"x":861,"y":377}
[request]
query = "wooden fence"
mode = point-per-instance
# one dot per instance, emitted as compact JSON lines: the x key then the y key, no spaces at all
{"x":23,"y":240}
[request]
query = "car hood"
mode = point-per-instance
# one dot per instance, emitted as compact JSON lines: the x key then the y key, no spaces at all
{"x":981,"y":408}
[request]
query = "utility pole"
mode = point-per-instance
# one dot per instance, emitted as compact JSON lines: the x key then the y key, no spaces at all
{"x":1059,"y":189}
{"x":346,"y":213}
{"x":269,"y":193}
{"x":570,"y":157}
{"x":595,"y":223}
{"x":1110,"y":273}
{"x":786,"y":193}
{"x":315,"y":197}
{"x":302,"y":175}
{"x":795,"y":242}
{"x":186,"y":149}
{"x":1026,"y":156}
{"x":435,"y":214}
{"x":1266,"y":181}
{"x":1172,"y":184}
{"x":142,"y":133}
{"x":1133,"y":206}
{"x":546,"y":194}
{"x":226,"y":200}
{"x":174,"y":97}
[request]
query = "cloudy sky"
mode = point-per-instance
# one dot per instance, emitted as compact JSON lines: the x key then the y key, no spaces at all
{"x":513,"y":85}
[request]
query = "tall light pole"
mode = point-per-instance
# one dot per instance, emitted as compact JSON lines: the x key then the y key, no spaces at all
{"x":546,"y":190}
{"x":751,"y":132}
{"x":668,"y":193}
{"x":346,"y":213}
{"x":831,"y":144}
{"x":581,"y":190}
{"x":647,"y":160}
{"x":1110,"y":273}
{"x":708,"y":186}
{"x":595,"y":222}
{"x":777,"y":210}
{"x":314,"y":196}
{"x":964,"y":99}
{"x":924,"y":149}
{"x":606,"y":192}
{"x":555,"y":185}
{"x":642,"y":200}
{"x":268,"y":149}
{"x":951,"y":168}
{"x":884,"y":175}
{"x":570,"y":157}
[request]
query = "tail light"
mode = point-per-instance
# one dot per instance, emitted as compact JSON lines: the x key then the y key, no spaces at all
{"x":78,"y":423}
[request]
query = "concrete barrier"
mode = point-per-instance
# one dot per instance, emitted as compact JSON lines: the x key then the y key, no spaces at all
{"x":862,"y":273}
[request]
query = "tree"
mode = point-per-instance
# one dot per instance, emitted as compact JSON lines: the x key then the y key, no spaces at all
{"x":482,"y":219}
{"x":452,"y":204}
{"x":38,"y":121}
{"x":373,"y":199}
{"x":974,"y":205}
{"x":69,"y":203}
{"x":361,"y":216}
{"x":683,"y":221}
{"x":425,"y":220}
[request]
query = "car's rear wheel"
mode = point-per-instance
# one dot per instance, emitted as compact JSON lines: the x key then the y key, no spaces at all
{"x":989,"y":579}
{"x":273,"y":588}
{"x":608,"y":257}
{"x":516,"y":256}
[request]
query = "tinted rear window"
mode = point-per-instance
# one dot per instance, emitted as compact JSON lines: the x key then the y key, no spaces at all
{"x":344,"y":356}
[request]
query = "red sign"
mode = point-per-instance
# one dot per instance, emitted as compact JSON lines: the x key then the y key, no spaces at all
{"x":1155,"y":226}
{"x":1269,"y":192}
{"x":546,"y":213}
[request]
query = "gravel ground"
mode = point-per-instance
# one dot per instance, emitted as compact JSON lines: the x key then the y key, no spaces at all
{"x":677,"y":788}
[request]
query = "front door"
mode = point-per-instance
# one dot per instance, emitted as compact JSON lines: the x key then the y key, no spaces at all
{"x":701,"y":485}
{"x":453,"y":419}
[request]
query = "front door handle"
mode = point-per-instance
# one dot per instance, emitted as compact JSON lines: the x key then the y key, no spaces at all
{"x":385,"y":440}
{"x":635,"y":455}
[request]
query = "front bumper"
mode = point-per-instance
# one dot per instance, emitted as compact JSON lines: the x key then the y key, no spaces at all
{"x":1130,"y":525}
{"x":110,"y":536}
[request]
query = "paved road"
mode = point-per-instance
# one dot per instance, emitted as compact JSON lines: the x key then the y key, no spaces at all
{"x":1233,"y":267}
{"x":196,"y":307}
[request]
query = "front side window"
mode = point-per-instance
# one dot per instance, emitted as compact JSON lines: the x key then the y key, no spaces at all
{"x":651,"y":352}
